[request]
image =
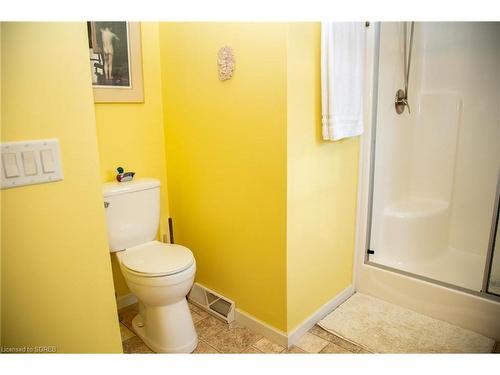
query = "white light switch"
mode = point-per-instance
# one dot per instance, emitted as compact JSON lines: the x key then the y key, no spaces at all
{"x":10,"y":165}
{"x":29,"y":163}
{"x":47,"y":161}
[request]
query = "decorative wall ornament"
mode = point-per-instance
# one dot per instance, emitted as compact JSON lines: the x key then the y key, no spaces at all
{"x":225,"y":60}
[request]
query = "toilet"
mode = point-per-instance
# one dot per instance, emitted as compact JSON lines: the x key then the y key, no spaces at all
{"x":160,"y":275}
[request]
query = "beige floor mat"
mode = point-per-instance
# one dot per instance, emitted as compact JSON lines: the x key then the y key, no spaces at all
{"x":382,"y":327}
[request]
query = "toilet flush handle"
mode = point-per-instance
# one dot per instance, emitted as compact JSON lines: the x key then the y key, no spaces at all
{"x":106,"y":204}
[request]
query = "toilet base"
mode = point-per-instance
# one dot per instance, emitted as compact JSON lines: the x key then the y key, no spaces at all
{"x":163,"y":335}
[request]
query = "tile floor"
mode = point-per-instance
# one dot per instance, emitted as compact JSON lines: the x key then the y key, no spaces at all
{"x":216,"y":336}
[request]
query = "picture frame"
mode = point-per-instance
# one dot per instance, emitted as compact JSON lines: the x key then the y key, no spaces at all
{"x":116,"y":61}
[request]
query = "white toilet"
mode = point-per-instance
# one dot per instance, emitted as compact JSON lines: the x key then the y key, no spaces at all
{"x":160,"y":275}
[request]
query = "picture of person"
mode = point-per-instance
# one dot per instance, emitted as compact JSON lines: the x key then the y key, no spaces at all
{"x":109,"y":53}
{"x":107,"y":37}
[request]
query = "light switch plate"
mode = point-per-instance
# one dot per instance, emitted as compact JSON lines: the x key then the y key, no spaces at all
{"x":29,"y":162}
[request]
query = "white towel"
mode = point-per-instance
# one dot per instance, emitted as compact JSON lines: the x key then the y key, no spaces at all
{"x":342,"y":76}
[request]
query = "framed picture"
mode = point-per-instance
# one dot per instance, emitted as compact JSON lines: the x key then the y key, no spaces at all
{"x":116,"y":61}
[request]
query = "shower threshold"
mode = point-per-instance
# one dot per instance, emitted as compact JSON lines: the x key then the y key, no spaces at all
{"x":453,"y":267}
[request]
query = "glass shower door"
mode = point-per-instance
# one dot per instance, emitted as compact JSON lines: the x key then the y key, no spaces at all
{"x":435,"y":169}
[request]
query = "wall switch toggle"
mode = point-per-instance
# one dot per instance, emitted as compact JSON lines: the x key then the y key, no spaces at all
{"x":29,"y":163}
{"x":47,"y":161}
{"x":10,"y":165}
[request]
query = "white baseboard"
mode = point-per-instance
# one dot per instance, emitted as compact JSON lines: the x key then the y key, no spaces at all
{"x":256,"y":325}
{"x":287,"y":340}
{"x":323,"y":311}
{"x":126,"y":300}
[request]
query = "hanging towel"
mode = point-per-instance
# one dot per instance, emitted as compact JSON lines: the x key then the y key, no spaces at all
{"x":342,"y":73}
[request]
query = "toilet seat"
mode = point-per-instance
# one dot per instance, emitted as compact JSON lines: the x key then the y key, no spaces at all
{"x":154,"y":259}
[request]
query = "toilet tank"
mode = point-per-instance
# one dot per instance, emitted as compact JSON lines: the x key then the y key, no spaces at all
{"x":132,"y":212}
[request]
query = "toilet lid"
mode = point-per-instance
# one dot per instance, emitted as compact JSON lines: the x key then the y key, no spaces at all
{"x":157,"y":259}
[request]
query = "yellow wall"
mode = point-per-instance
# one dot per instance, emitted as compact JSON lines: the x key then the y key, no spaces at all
{"x":56,"y":274}
{"x":131,"y":134}
{"x":322,"y":185}
{"x":226,"y":158}
{"x":247,"y":168}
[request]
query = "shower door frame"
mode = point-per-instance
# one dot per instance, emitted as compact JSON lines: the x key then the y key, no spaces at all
{"x":491,"y":244}
{"x":419,"y":293}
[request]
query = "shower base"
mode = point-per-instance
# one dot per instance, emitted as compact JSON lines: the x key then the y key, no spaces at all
{"x":460,"y":268}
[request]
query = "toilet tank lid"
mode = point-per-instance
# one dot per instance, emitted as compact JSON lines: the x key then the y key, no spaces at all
{"x":115,"y":188}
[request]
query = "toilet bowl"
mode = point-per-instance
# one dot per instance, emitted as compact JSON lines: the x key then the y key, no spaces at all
{"x":160,"y":275}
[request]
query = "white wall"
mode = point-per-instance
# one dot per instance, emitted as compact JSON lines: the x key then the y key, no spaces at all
{"x":464,"y":57}
{"x":393,"y":133}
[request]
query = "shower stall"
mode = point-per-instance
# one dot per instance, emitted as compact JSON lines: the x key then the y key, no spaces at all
{"x":431,"y":158}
